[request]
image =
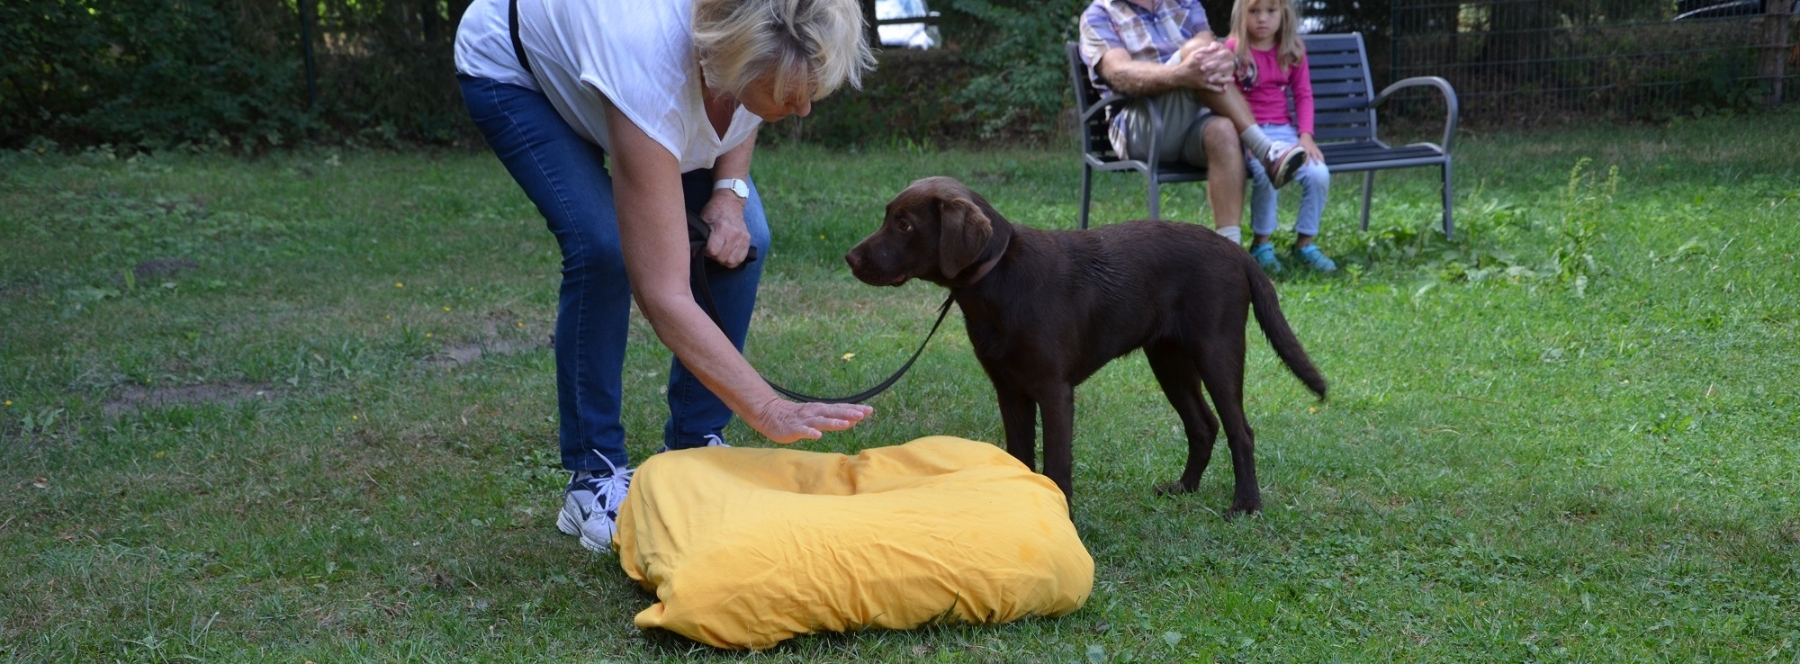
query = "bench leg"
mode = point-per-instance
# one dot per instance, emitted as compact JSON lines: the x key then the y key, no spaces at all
{"x":1368,"y":191}
{"x":1087,"y":191}
{"x":1449,"y":228}
{"x":1155,"y":199}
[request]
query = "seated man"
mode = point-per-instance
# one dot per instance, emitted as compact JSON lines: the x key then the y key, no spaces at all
{"x":1163,"y":52}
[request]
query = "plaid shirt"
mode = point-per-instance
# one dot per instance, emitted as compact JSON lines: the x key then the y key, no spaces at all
{"x":1149,"y":35}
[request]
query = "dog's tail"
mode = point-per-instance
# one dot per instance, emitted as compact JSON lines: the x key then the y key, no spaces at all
{"x":1275,"y":327}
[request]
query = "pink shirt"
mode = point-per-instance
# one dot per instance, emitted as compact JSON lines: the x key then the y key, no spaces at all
{"x":1268,"y":97}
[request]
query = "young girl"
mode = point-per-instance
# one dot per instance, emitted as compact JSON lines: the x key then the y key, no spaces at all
{"x":1272,"y":63}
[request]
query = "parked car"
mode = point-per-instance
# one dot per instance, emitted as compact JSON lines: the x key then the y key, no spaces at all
{"x":905,"y":35}
{"x":1693,"y":9}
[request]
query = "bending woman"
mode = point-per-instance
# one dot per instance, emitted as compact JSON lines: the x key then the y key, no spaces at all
{"x":672,"y":91}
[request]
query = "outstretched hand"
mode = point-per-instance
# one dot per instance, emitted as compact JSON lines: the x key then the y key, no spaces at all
{"x":786,"y":421}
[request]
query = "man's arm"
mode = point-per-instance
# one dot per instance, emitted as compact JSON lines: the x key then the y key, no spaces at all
{"x":1202,"y":63}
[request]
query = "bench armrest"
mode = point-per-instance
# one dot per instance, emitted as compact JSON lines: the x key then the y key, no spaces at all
{"x":1109,"y":100}
{"x":1428,"y":81}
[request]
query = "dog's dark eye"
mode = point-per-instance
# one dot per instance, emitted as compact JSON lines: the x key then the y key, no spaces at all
{"x":904,"y":225}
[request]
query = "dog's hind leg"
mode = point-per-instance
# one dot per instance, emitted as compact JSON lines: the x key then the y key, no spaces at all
{"x":1175,"y":372}
{"x":1222,"y":370}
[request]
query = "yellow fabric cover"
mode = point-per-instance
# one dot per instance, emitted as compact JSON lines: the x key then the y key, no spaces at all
{"x":748,"y":547}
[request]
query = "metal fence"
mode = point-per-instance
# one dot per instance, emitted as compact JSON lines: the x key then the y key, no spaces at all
{"x":1524,"y":61}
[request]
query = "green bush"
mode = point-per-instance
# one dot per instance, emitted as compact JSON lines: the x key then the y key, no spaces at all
{"x":909,"y":97}
{"x":143,"y":72}
{"x":150,"y":74}
{"x":1023,"y":84}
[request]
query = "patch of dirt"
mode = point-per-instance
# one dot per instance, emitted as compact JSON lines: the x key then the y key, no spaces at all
{"x":151,"y":270}
{"x":163,"y":267}
{"x":134,"y":397}
{"x":21,"y":287}
{"x":490,"y":343}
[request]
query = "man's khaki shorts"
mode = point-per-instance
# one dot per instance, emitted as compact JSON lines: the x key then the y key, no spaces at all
{"x":1183,"y":118}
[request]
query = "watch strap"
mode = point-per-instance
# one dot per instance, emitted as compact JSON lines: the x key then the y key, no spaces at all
{"x":736,"y":185}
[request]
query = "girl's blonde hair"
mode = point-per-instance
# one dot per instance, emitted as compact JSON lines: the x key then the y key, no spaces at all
{"x":821,"y":42}
{"x":1288,"y":47}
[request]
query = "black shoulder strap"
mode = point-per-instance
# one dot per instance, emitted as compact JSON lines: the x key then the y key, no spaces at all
{"x":512,"y":20}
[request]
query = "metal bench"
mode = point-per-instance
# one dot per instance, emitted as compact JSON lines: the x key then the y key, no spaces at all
{"x":1344,"y":122}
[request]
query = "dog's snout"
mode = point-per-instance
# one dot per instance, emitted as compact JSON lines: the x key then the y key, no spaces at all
{"x":854,"y":258}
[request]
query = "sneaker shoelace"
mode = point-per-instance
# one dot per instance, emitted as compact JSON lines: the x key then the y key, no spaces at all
{"x":605,"y":493}
{"x":609,"y":491}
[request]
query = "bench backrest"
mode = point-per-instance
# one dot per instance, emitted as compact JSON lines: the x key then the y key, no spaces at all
{"x":1341,"y":87}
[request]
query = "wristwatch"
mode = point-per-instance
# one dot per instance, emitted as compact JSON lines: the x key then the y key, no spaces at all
{"x":739,"y":187}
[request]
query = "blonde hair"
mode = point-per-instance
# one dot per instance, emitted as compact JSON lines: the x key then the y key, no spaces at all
{"x":1288,"y":47}
{"x":821,"y":42}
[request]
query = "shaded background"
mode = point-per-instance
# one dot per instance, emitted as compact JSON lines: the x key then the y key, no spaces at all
{"x":253,"y":75}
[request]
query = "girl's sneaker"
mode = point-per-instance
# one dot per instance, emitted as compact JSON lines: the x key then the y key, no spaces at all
{"x":1315,"y":259}
{"x":1282,"y":162}
{"x":1265,"y":256}
{"x":591,"y":505}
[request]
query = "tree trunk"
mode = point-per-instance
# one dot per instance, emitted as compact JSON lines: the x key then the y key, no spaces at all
{"x":872,"y":34}
{"x":309,"y":20}
{"x":430,"y":22}
{"x":457,"y":7}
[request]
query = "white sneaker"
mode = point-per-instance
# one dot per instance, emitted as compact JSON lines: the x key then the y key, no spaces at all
{"x":1282,"y":162}
{"x":591,"y":506}
{"x":711,"y":441}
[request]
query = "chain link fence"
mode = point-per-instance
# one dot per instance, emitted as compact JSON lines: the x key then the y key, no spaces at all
{"x":1530,"y":61}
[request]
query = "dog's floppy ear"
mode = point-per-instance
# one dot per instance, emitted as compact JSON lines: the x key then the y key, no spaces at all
{"x":963,"y":233}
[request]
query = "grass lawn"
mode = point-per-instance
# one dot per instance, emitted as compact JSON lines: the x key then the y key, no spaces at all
{"x":302,"y":408}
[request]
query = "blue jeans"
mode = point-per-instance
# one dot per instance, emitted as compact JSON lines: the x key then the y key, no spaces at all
{"x":566,"y":176}
{"x":1315,"y":185}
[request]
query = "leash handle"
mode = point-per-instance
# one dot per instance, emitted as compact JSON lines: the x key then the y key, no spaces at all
{"x":703,"y":292}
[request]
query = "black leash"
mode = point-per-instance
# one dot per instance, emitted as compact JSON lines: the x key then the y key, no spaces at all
{"x":697,"y":234}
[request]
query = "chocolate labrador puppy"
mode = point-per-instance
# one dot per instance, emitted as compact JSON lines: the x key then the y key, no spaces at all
{"x":1046,"y":309}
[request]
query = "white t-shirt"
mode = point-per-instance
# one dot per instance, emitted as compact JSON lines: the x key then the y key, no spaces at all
{"x":638,"y":54}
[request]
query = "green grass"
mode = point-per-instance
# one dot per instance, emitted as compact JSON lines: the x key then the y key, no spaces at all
{"x":278,"y":454}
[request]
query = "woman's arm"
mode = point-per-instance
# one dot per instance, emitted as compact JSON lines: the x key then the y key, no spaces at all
{"x":648,"y":196}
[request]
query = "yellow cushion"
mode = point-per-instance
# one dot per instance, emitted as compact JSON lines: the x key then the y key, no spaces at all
{"x":748,"y":547}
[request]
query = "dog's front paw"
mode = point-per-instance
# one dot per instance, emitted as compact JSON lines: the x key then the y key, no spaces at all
{"x":1176,"y":488}
{"x":1244,"y":508}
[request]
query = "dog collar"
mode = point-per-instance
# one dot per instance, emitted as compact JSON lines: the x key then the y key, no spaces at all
{"x":988,"y":265}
